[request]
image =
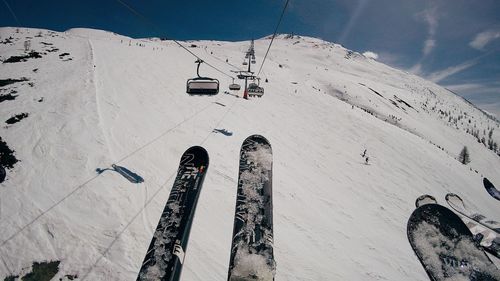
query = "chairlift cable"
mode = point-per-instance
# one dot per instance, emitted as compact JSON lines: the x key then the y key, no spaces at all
{"x":274,"y":35}
{"x":150,"y":199}
{"x":159,"y":31}
{"x":91,"y":179}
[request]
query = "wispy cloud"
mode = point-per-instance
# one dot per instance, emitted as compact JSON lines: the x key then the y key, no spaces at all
{"x":416,"y":69}
{"x":475,"y":88}
{"x":11,"y":12}
{"x":428,"y":46}
{"x":440,"y":75}
{"x":484,"y":94}
{"x":352,"y":21}
{"x":430,"y":17}
{"x":482,"y":39}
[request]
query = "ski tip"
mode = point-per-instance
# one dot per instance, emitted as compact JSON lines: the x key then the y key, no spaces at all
{"x":486,"y":182}
{"x":425,"y":199}
{"x":449,"y":195}
{"x":197,"y":148}
{"x":257,"y":138}
{"x":437,"y":215}
{"x":199,"y":152}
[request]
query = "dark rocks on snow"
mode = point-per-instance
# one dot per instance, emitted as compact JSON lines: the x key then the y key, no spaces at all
{"x":7,"y":157}
{"x":30,"y":55}
{"x":17,"y":118}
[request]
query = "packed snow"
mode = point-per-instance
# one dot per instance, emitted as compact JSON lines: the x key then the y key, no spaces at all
{"x":95,"y":99}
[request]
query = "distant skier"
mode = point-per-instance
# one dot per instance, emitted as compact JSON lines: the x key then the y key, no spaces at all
{"x":364,"y":154}
{"x":366,"y":160}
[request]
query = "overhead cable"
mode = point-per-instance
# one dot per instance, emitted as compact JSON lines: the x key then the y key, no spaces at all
{"x":152,"y":24}
{"x":274,"y":35}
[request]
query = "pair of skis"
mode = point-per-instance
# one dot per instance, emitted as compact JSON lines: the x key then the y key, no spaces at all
{"x":445,"y":245}
{"x":252,"y":243}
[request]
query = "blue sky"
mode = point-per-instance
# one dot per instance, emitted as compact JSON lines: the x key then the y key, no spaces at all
{"x":455,"y":43}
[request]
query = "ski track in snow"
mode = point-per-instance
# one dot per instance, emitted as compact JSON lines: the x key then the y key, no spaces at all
{"x":95,"y":79}
{"x":335,"y":218}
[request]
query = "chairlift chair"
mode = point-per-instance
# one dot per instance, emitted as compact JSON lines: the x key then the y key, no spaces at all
{"x":255,"y":90}
{"x":234,"y":87}
{"x":245,"y":63}
{"x":252,"y":86}
{"x":202,"y":85}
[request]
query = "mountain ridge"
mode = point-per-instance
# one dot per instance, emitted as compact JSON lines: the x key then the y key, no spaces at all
{"x":105,"y":99}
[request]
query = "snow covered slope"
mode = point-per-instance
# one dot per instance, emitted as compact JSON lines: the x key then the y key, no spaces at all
{"x":95,"y":99}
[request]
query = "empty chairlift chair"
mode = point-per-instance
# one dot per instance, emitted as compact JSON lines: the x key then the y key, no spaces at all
{"x":234,"y":87}
{"x":202,"y":85}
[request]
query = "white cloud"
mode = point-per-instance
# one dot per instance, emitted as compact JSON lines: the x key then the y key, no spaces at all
{"x":483,"y":38}
{"x":475,"y":88}
{"x":483,"y":94}
{"x":449,"y":71}
{"x":416,"y":69}
{"x":371,"y":55}
{"x":390,"y":59}
{"x":428,"y":46}
{"x":430,"y":17}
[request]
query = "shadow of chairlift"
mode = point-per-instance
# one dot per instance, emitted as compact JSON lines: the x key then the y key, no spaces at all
{"x":202,"y":85}
{"x":124,"y":172}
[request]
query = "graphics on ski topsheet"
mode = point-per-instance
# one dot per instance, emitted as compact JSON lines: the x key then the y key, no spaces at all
{"x":445,"y":247}
{"x":165,"y":254}
{"x":252,"y":244}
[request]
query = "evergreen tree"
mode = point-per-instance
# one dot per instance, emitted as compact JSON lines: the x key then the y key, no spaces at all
{"x":464,"y":156}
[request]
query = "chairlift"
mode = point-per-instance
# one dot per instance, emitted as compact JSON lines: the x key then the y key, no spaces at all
{"x":253,"y":61}
{"x":202,"y":85}
{"x":234,"y":86}
{"x":255,"y":89}
{"x":245,"y":63}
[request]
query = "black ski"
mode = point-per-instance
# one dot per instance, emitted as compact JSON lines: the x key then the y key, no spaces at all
{"x":488,"y":230}
{"x":495,"y":193}
{"x":445,"y":246}
{"x":165,"y":254}
{"x":252,"y":244}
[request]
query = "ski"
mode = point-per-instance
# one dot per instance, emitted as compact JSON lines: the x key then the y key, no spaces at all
{"x":495,"y":193}
{"x":489,"y":240}
{"x":457,"y":204}
{"x":252,"y":241}
{"x":165,"y":255}
{"x":425,"y":199}
{"x":487,"y":230}
{"x":445,"y":247}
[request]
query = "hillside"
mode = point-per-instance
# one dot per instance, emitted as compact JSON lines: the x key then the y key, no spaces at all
{"x":93,"y":98}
